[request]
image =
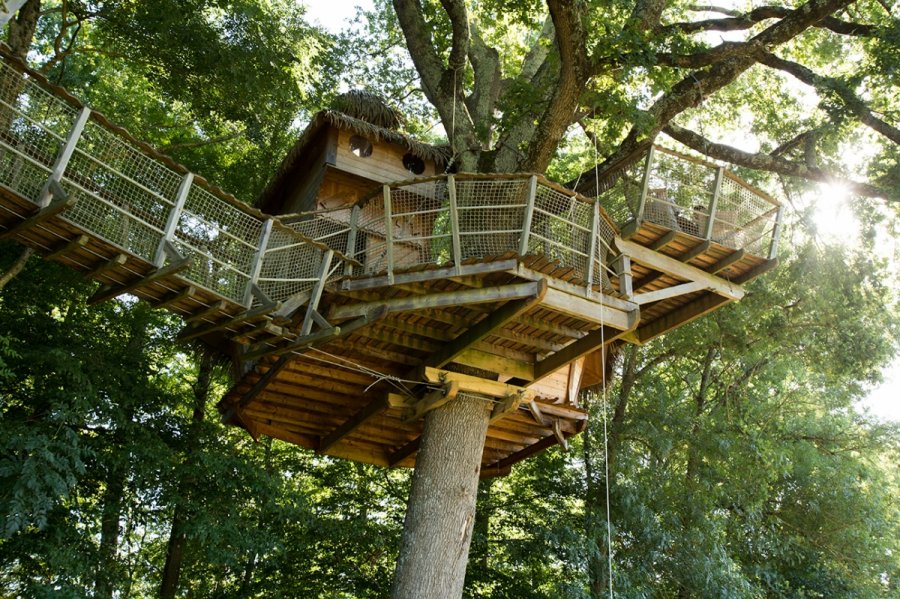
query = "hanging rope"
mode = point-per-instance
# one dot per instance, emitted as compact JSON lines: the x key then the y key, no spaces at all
{"x":603,"y":358}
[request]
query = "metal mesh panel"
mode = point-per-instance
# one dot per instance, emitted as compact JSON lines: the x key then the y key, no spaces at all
{"x":223,"y":241}
{"x":491,"y":216}
{"x":289,"y":265}
{"x":420,"y":224}
{"x":743,"y":219}
{"x":123,"y":195}
{"x":561,"y":229}
{"x":331,"y":229}
{"x":622,"y":199}
{"x":679,"y":194}
{"x":33,"y":126}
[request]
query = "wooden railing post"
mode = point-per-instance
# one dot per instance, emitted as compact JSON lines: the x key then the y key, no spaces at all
{"x":454,"y":224}
{"x":529,"y":216}
{"x":776,"y":234}
{"x":351,"y":239}
{"x":64,"y":156}
{"x":316,"y":295}
{"x":594,"y":249}
{"x":256,"y":265}
{"x":645,"y":186}
{"x":389,"y":233}
{"x":714,"y":203}
{"x":172,"y":221}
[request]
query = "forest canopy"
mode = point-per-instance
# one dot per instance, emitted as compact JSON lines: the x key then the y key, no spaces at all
{"x":740,"y":462}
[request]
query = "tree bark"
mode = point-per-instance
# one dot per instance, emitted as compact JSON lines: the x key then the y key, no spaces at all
{"x":441,"y":511}
{"x":177,"y":536}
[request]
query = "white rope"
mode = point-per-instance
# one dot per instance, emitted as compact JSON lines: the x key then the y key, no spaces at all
{"x":603,"y":358}
{"x":394,"y":380}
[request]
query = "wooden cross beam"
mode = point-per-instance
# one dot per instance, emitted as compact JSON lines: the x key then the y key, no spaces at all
{"x":491,"y":323}
{"x":61,"y":201}
{"x":107,"y":292}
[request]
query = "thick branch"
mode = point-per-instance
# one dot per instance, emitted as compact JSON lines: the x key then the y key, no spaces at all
{"x":690,"y":91}
{"x":745,"y":21}
{"x":438,"y":82}
{"x":570,"y":38}
{"x":826,"y":85}
{"x":486,"y":66}
{"x":767,"y":162}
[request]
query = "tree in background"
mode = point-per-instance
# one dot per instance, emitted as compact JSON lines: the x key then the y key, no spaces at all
{"x":738,"y":467}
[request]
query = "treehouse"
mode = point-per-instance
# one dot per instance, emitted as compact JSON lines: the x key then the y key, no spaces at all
{"x":372,"y":286}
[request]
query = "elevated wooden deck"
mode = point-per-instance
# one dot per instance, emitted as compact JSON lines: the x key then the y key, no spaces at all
{"x":348,"y":327}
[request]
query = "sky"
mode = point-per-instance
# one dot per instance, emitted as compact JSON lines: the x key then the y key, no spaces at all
{"x":883,"y":402}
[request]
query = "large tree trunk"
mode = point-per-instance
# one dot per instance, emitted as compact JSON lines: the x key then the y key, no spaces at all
{"x":441,"y":512}
{"x":177,"y":537}
{"x":109,"y":528}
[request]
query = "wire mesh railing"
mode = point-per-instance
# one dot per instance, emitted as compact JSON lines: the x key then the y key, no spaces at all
{"x":696,"y":197}
{"x":136,"y":200}
{"x":453,"y":219}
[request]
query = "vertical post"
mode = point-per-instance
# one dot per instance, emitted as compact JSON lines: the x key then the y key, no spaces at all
{"x":714,"y":203}
{"x":593,"y":249}
{"x":454,"y":224}
{"x":256,"y":265}
{"x":645,"y":186}
{"x":351,"y":239}
{"x":317,"y":289}
{"x":172,"y":221}
{"x":65,"y":154}
{"x":623,"y":269}
{"x":529,"y":216}
{"x":389,"y":233}
{"x":776,"y":233}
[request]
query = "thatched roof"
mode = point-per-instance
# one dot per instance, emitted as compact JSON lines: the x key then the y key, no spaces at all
{"x":368,"y":107}
{"x":294,"y":160}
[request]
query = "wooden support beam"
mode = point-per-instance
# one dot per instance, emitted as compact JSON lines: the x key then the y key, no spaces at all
{"x":536,"y":413}
{"x":192,"y":332}
{"x":679,"y":269}
{"x":726,"y":262}
{"x":107,"y":292}
{"x":67,"y":248}
{"x":257,"y":388}
{"x":668,"y":292}
{"x":663,"y":241}
{"x":587,"y":309}
{"x":404,"y":452}
{"x":474,"y":384}
{"x":438,"y":300}
{"x":468,"y":270}
{"x":432,"y":400}
{"x":111,"y":264}
{"x":705,"y":304}
{"x":694,"y":251}
{"x":319,"y":337}
{"x":590,"y":342}
{"x":573,"y":382}
{"x":506,"y":406}
{"x":372,"y":408}
{"x":492,"y":322}
{"x":560,"y":437}
{"x":55,"y":207}
{"x":175,"y":297}
{"x":494,"y":363}
{"x":213,"y":309}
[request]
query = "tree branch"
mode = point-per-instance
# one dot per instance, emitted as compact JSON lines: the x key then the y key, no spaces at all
{"x":829,"y":85}
{"x":690,"y":91}
{"x":740,"y":21}
{"x":767,"y":162}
